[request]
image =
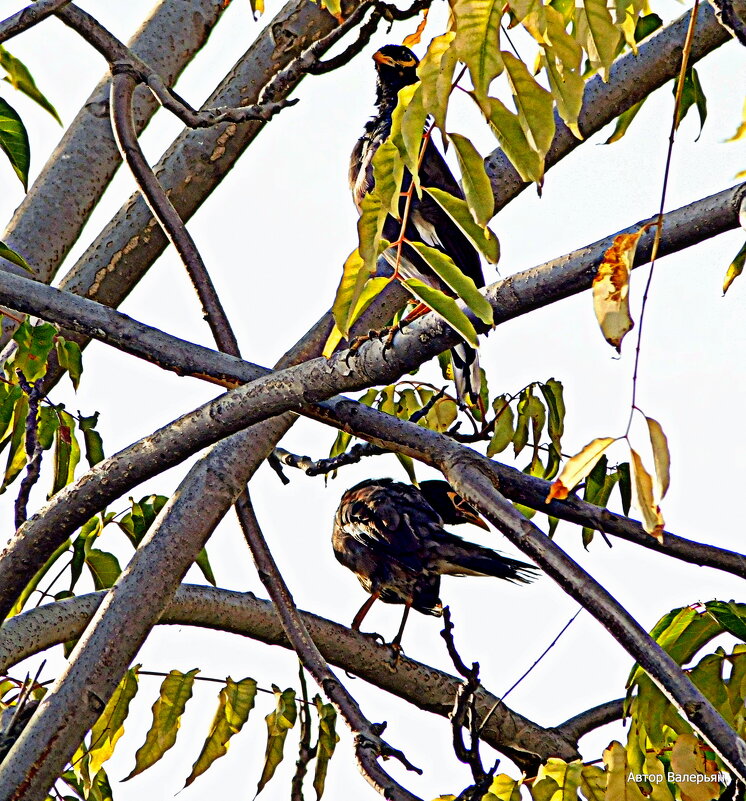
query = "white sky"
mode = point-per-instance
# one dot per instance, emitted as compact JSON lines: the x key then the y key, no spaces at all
{"x":274,"y":237}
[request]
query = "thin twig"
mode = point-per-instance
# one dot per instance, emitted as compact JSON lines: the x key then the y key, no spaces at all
{"x":33,"y":447}
{"x":28,"y":17}
{"x":122,"y":90}
{"x":368,"y":743}
{"x":306,"y":752}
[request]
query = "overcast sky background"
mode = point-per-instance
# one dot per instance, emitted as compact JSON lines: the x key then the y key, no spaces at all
{"x":275,"y":236}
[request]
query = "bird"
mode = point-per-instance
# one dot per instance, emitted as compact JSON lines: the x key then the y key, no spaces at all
{"x":396,"y":67}
{"x":392,"y":536}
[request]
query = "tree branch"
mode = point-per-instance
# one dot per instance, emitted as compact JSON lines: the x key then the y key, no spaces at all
{"x":584,"y":722}
{"x":28,"y":17}
{"x":728,"y":17}
{"x":425,"y":687}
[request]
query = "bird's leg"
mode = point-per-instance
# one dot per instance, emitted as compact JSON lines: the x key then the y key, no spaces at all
{"x":396,"y":642}
{"x":363,"y":611}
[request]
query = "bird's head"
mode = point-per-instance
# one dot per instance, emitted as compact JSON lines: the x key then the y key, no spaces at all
{"x":396,"y":66}
{"x":451,"y":507}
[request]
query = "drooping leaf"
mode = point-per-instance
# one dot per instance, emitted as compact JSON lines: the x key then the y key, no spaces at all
{"x":104,"y":568}
{"x":461,"y":284}
{"x":644,"y":500}
{"x":110,"y":726}
{"x":477,"y":40}
{"x":618,"y":788}
{"x":442,"y":416}
{"x":688,"y":760}
{"x":203,"y":563}
{"x":415,"y":38}
{"x":14,"y":142}
{"x":735,"y":268}
{"x":552,"y":391}
{"x":598,"y":487}
{"x":476,"y":184}
{"x":661,"y":457}
{"x":457,"y":209}
{"x":692,"y":95}
{"x":504,"y":788}
{"x":435,"y":70}
{"x":17,"y":451}
{"x":66,"y":452}
{"x":29,"y":589}
{"x":69,"y":358}
{"x":176,"y":690}
{"x":407,"y":127}
{"x":278,"y":724}
{"x":567,"y":90}
{"x":326,"y":743}
{"x":94,"y":445}
{"x":578,"y":467}
{"x":9,"y":396}
{"x":510,"y":134}
{"x":567,"y":775}
{"x":598,"y":34}
{"x":13,"y":257}
{"x":730,"y":616}
{"x":446,"y":307}
{"x":611,"y":288}
{"x":34,"y":344}
{"x":593,"y":783}
{"x":20,"y":78}
{"x":534,"y":105}
{"x":136,"y":522}
{"x":624,"y":120}
{"x":235,"y":701}
{"x":502,"y":436}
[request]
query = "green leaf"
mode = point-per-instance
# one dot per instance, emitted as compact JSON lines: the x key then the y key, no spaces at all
{"x":435,"y":70}
{"x":599,"y":35}
{"x":34,"y":344}
{"x":730,"y":616}
{"x":20,"y":78}
{"x":735,"y":268}
{"x":507,"y":128}
{"x":94,"y":446}
{"x":691,"y":95}
{"x":17,"y":454}
{"x":645,"y":25}
{"x":235,"y":701}
{"x":625,"y":486}
{"x":9,"y":396}
{"x":136,"y":523}
{"x":47,"y":425}
{"x":109,"y":727}
{"x":407,"y":128}
{"x":176,"y":690}
{"x":442,"y":416}
{"x":552,"y":392}
{"x":14,"y":142}
{"x":69,"y":357}
{"x":203,"y":563}
{"x":325,"y":744}
{"x":104,"y":568}
{"x":503,"y":434}
{"x":567,"y":87}
{"x":457,"y":209}
{"x":66,"y":452}
{"x":14,"y":258}
{"x":624,"y":120}
{"x":446,"y":307}
{"x":534,"y":104}
{"x":477,"y":40}
{"x":408,"y":464}
{"x":461,"y":284}
{"x":476,"y":184}
{"x":278,"y":724}
{"x":38,"y":576}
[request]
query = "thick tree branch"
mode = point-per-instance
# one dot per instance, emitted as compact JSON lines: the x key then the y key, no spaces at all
{"x":28,"y":17}
{"x":584,"y":722}
{"x":242,"y":613}
{"x":368,"y":743}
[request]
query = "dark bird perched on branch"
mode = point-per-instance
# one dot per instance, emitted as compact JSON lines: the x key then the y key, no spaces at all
{"x":391,"y":536}
{"x":426,"y":221}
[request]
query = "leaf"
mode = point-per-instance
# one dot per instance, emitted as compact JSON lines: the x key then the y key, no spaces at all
{"x":578,"y":467}
{"x":504,"y":788}
{"x":94,"y":445}
{"x":567,"y":88}
{"x":735,"y":268}
{"x":9,"y":396}
{"x":597,"y":32}
{"x":624,"y":120}
{"x":442,"y":264}
{"x":625,"y":486}
{"x":435,"y":71}
{"x":446,"y":307}
{"x":407,"y":128}
{"x":109,"y":727}
{"x":552,"y":392}
{"x":416,"y":37}
{"x":442,"y":416}
{"x":20,"y":78}
{"x":34,"y":345}
{"x":477,"y":40}
{"x":661,"y":457}
{"x":729,"y":617}
{"x":235,"y":701}
{"x":476,"y":184}
{"x":17,"y":452}
{"x":14,"y":258}
{"x":593,"y":783}
{"x":534,"y":104}
{"x":502,"y":436}
{"x":28,"y":590}
{"x":104,"y":568}
{"x":611,"y":288}
{"x":510,"y":134}
{"x":325,"y":744}
{"x":278,"y":724}
{"x":688,"y":760}
{"x":617,"y":768}
{"x":66,"y":452}
{"x":598,"y":487}
{"x":642,"y":493}
{"x":176,"y":690}
{"x":14,"y":142}
{"x":136,"y":523}
{"x":457,"y":209}
{"x":741,"y":130}
{"x":691,"y":95}
{"x":567,"y":775}
{"x":203,"y":563}
{"x":355,"y":273}
{"x":69,"y":358}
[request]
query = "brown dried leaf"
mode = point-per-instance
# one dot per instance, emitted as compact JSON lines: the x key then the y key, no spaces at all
{"x":578,"y":467}
{"x":642,"y":494}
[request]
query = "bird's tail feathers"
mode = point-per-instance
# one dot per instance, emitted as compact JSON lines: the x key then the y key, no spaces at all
{"x":458,"y":558}
{"x":466,"y":375}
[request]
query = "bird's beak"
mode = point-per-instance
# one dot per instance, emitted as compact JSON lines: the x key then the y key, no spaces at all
{"x":380,"y":58}
{"x":469,"y":514}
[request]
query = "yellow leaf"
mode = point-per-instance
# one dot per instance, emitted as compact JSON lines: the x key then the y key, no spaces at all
{"x":596,"y":31}
{"x":510,"y":134}
{"x":436,"y":73}
{"x":617,"y":768}
{"x":661,"y":457}
{"x":477,"y":40}
{"x":534,"y":105}
{"x":688,"y":759}
{"x":567,"y":90}
{"x":735,"y":268}
{"x":611,"y":288}
{"x":578,"y":467}
{"x":642,"y":494}
{"x":414,"y":38}
{"x":407,"y":126}
{"x":504,"y":788}
{"x":741,"y":130}
{"x":477,"y":187}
